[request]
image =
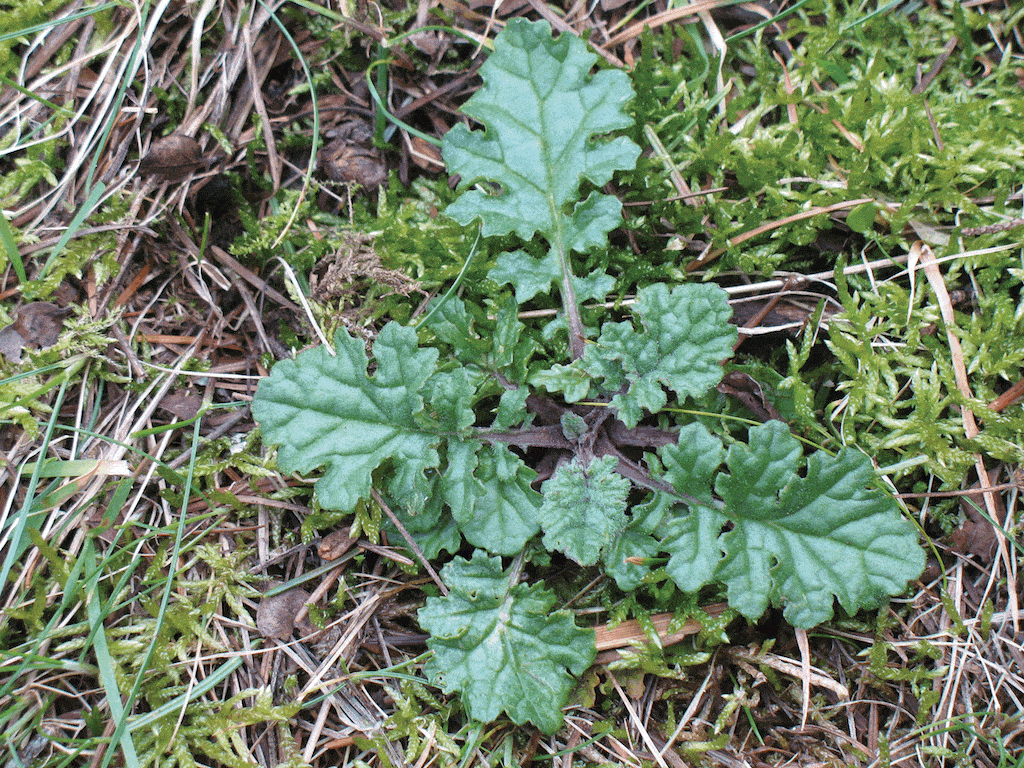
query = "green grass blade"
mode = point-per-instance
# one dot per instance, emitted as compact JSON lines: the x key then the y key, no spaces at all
{"x":18,"y":540}
{"x":7,"y":238}
{"x":179,"y":535}
{"x":106,"y":664}
{"x":55,"y":22}
{"x":95,"y":194}
{"x":175,"y":704}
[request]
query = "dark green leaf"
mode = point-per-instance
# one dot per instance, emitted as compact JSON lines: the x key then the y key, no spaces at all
{"x":501,"y":646}
{"x":325,"y":411}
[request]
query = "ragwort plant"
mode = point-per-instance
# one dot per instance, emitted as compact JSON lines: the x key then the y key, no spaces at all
{"x":435,"y":425}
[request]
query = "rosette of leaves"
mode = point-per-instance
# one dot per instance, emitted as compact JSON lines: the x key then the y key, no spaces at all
{"x":750,"y":518}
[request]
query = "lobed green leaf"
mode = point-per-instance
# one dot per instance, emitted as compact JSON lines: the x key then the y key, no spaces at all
{"x":797,"y":541}
{"x":501,"y":646}
{"x":542,"y":109}
{"x":325,"y":411}
{"x":584,"y":508}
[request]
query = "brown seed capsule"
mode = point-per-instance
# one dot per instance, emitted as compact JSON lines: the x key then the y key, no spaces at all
{"x":172,"y":158}
{"x":353,"y":163}
{"x":351,"y":158}
{"x":275,"y":616}
{"x":335,"y":544}
{"x":35,"y":325}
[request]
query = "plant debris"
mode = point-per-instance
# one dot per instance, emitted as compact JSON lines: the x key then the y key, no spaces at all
{"x":36,"y":325}
{"x":172,"y":158}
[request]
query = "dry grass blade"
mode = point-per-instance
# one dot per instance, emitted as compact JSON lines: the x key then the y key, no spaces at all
{"x":924,"y":254}
{"x":662,"y":18}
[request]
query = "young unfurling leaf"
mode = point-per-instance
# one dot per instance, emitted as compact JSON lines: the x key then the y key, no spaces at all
{"x":584,"y":509}
{"x":686,"y":336}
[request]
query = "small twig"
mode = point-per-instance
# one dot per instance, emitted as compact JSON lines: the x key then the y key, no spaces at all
{"x":991,"y":229}
{"x":954,"y":494}
{"x":747,"y":288}
{"x":133,"y":361}
{"x":787,"y":667}
{"x":250,"y":277}
{"x":674,"y":173}
{"x":255,"y":81}
{"x":761,"y":314}
{"x":448,"y":87}
{"x":937,"y":65}
{"x":698,"y":193}
{"x":710,"y":256}
{"x":409,"y":540}
{"x":665,"y":17}
{"x":923,"y":253}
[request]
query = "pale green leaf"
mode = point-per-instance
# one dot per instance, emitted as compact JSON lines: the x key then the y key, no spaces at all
{"x":693,"y":541}
{"x":696,"y":456}
{"x":325,"y":411}
{"x":488,"y":490}
{"x":541,"y":108}
{"x":530,"y":276}
{"x":450,"y":405}
{"x":632,"y":542}
{"x":501,"y":646}
{"x":454,"y":325}
{"x":473,"y":342}
{"x":691,"y":466}
{"x":685,"y":337}
{"x":766,"y":464}
{"x":432,"y":528}
{"x":512,"y":409}
{"x":511,"y":348}
{"x":594,"y":287}
{"x":571,"y":380}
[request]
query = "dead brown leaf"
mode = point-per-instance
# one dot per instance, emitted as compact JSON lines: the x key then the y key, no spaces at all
{"x":36,"y":325}
{"x":350,"y":157}
{"x":976,"y":535}
{"x":748,"y":391}
{"x":275,"y":616}
{"x":425,"y":155}
{"x":336,"y":543}
{"x":40,"y":323}
{"x":172,"y":158}
{"x":11,"y":343}
{"x":183,"y":403}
